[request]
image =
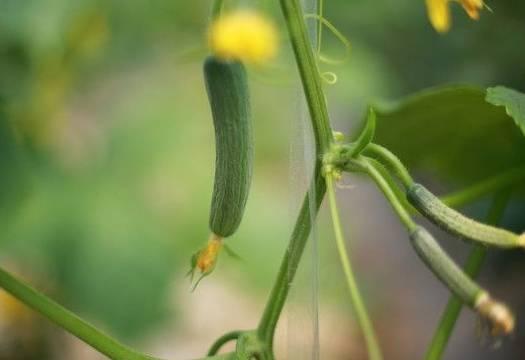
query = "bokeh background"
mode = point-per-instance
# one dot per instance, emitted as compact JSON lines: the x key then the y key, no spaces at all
{"x":106,"y":170}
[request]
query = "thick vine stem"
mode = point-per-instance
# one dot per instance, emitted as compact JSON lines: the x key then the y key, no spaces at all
{"x":312,"y":87}
{"x":292,"y":257}
{"x":309,"y":72}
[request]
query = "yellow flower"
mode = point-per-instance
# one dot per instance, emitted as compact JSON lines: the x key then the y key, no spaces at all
{"x":243,"y":35}
{"x":439,"y":12}
{"x":207,"y":257}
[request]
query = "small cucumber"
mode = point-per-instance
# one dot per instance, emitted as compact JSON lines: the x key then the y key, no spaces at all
{"x":444,"y":267}
{"x":455,"y":223}
{"x":501,"y":319}
{"x":230,"y":104}
{"x":228,"y":94}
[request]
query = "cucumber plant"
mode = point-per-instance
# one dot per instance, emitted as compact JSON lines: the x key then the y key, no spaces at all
{"x":228,"y":94}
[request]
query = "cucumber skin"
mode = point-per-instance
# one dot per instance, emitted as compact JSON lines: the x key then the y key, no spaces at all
{"x":455,"y":223}
{"x":228,"y":95}
{"x":443,"y":267}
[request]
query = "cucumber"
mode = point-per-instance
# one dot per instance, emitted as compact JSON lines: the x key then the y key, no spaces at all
{"x":501,"y":319}
{"x":229,"y":99}
{"x":444,"y":267}
{"x":455,"y":223}
{"x":228,"y":94}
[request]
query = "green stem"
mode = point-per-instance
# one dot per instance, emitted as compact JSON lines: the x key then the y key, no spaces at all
{"x":315,"y":99}
{"x":486,"y":187}
{"x":366,"y":166}
{"x":320,"y":10}
{"x":67,"y":320}
{"x":74,"y":324}
{"x":471,"y":268}
{"x":309,"y":72}
{"x":233,"y":335}
{"x":391,"y":161}
{"x":374,"y":350}
{"x":303,"y":225}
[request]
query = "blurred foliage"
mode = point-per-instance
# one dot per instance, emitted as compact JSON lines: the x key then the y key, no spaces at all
{"x":453,"y":133}
{"x":513,"y":102}
{"x":102,"y":187}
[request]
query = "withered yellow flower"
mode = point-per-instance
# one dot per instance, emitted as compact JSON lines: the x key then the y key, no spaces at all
{"x":243,"y":35}
{"x":472,"y":7}
{"x":439,"y":12}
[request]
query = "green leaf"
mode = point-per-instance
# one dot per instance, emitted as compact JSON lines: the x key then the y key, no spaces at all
{"x":513,"y":100}
{"x":451,"y":132}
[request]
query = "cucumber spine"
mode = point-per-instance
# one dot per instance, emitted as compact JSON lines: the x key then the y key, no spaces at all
{"x":456,"y":223}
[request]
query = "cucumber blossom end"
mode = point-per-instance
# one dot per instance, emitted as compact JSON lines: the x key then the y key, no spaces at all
{"x":206,"y":258}
{"x":498,"y":314}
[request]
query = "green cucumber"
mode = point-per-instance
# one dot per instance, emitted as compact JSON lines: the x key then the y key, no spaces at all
{"x":444,"y":267}
{"x":455,"y":223}
{"x":501,"y":319}
{"x":229,"y":99}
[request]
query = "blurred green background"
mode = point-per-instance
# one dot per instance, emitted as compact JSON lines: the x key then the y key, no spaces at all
{"x":106,"y":169}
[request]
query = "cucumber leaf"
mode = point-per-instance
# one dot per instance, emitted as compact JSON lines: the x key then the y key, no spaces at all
{"x":513,"y":100}
{"x":454,"y":133}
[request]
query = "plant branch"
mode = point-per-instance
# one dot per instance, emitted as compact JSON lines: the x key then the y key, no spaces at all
{"x":216,"y":346}
{"x":455,"y":199}
{"x":366,"y":165}
{"x":75,"y":325}
{"x":67,"y":320}
{"x":309,"y":72}
{"x":471,"y":268}
{"x":374,"y":350}
{"x":315,"y":99}
{"x":292,"y":257}
{"x":391,"y":161}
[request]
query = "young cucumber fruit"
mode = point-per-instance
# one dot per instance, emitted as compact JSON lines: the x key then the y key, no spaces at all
{"x":227,"y":89}
{"x":228,"y":94}
{"x":499,"y":316}
{"x":454,"y":222}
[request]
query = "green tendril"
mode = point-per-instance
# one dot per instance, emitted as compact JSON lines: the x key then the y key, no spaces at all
{"x":343,"y":39}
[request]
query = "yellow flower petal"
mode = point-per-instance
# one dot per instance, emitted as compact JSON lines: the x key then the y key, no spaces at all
{"x":243,"y":35}
{"x":439,"y":14}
